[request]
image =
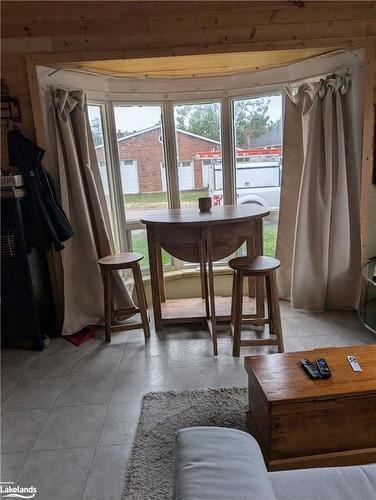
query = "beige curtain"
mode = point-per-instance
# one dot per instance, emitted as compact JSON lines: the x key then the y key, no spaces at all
{"x":84,"y":202}
{"x":319,"y":231}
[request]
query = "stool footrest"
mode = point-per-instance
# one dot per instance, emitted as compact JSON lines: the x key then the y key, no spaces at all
{"x":255,"y":342}
{"x":255,"y":321}
{"x":127,"y":326}
{"x":260,"y":267}
{"x":127,"y":310}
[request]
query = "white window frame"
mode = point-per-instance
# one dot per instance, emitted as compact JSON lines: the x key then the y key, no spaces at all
{"x":169,"y":144}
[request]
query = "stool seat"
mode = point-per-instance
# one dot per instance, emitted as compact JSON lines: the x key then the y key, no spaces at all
{"x":254,"y":265}
{"x":116,"y":262}
{"x":120,"y":260}
{"x":263,"y":270}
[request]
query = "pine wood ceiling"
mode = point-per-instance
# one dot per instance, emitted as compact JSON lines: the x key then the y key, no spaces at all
{"x":200,"y":65}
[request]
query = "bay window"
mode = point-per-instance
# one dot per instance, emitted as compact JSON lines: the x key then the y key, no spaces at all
{"x":158,"y":155}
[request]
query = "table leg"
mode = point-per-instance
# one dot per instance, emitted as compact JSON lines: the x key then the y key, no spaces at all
{"x":204,"y":274}
{"x":212,"y":323}
{"x":154,"y":276}
{"x":259,"y":249}
{"x":202,"y":271}
{"x":162,"y":290}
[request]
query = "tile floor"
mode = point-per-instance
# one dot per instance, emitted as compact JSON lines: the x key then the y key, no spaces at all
{"x":69,"y":414}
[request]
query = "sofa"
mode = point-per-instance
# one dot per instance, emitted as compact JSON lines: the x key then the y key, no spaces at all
{"x":227,"y":464}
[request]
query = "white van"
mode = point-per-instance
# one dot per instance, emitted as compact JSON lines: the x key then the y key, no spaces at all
{"x":258,"y":181}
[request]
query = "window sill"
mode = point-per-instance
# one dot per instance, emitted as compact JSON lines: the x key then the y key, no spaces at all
{"x":178,"y":274}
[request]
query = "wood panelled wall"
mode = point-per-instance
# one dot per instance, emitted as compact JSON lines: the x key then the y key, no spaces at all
{"x":98,"y":30}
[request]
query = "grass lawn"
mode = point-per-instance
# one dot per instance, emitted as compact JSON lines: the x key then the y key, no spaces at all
{"x":140,"y":243}
{"x":148,"y":201}
{"x":270,"y":237}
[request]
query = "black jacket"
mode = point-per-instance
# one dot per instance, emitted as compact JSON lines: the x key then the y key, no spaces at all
{"x":46,"y":224}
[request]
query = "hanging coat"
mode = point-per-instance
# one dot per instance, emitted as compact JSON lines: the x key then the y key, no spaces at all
{"x":46,"y":224}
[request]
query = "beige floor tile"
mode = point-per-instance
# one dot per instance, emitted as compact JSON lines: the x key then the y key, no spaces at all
{"x":35,"y":393}
{"x":71,"y":426}
{"x":120,"y":423}
{"x":57,"y":474}
{"x":11,"y":464}
{"x":106,"y":477}
{"x":20,"y":429}
{"x":88,"y":388}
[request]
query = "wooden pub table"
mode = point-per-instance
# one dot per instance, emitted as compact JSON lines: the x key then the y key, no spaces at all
{"x":203,"y":238}
{"x":300,"y":422}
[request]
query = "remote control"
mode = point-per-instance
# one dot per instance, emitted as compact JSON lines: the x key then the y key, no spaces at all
{"x":354,"y":363}
{"x":323,"y":368}
{"x":310,"y":368}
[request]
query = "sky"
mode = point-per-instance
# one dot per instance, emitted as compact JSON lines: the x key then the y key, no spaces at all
{"x":134,"y":118}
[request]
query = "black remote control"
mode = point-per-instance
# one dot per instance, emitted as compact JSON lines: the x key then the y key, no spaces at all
{"x":323,"y":368}
{"x":310,"y":368}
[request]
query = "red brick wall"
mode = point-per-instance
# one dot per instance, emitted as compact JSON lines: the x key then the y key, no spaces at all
{"x":148,"y":152}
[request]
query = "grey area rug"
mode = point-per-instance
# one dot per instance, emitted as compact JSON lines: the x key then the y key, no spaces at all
{"x":150,"y":468}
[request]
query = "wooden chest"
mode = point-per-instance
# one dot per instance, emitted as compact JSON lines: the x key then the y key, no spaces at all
{"x":300,"y":422}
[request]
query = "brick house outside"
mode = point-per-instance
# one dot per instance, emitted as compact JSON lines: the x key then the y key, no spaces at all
{"x":141,"y":156}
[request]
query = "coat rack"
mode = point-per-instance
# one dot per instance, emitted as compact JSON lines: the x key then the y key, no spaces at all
{"x":10,"y":106}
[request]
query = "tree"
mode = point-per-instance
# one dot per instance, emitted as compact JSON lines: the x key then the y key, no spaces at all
{"x":96,"y":131}
{"x":200,"y":119}
{"x":251,"y":120}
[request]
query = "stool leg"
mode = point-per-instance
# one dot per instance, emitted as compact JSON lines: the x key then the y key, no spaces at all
{"x":107,"y":275}
{"x":233,"y":299}
{"x":144,"y":296}
{"x":141,"y":299}
{"x":269,"y":303}
{"x":238,"y":312}
{"x":273,"y":309}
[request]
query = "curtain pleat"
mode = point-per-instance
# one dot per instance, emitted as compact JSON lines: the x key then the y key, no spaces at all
{"x":84,"y":202}
{"x":318,"y":240}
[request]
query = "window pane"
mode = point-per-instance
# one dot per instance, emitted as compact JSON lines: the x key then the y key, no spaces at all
{"x":198,"y":141}
{"x":140,"y":244}
{"x":95,"y":112}
{"x":139,"y":137}
{"x":258,"y":155}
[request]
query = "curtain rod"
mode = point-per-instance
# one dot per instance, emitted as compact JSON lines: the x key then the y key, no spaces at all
{"x":237,"y":92}
{"x":346,"y":70}
{"x":102,"y":75}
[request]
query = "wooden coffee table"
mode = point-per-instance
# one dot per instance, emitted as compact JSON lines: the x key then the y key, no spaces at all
{"x":300,"y":422}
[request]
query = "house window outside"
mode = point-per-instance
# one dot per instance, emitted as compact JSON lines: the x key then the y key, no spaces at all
{"x":136,"y":169}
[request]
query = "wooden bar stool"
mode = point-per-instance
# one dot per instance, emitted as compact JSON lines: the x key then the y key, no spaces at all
{"x":258,"y":267}
{"x":116,"y":262}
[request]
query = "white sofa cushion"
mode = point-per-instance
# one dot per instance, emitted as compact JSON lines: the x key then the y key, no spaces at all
{"x":357,"y":482}
{"x":221,"y":464}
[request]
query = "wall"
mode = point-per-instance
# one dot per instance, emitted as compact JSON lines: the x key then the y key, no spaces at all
{"x":372,"y":203}
{"x":143,"y":29}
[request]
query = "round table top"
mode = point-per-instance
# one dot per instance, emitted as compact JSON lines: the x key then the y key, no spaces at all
{"x":217,"y":215}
